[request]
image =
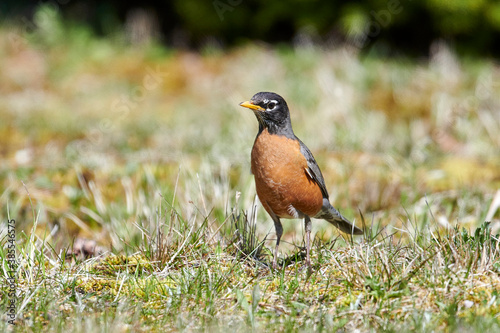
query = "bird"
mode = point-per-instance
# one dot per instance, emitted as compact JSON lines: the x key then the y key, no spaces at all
{"x":288,"y":181}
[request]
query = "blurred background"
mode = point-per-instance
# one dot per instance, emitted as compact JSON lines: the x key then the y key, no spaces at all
{"x":400,"y":26}
{"x":112,"y":111}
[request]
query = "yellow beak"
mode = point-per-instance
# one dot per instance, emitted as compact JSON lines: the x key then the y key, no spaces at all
{"x":250,"y":105}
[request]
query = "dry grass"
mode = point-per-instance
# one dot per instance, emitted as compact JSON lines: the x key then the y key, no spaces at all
{"x":146,"y":153}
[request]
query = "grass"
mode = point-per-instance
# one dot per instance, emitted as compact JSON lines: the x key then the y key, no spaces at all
{"x":197,"y":282}
{"x":139,"y":212}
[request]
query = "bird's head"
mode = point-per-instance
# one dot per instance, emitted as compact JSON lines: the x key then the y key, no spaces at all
{"x":271,"y":111}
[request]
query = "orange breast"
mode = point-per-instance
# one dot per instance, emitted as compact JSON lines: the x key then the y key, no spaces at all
{"x":281,"y":178}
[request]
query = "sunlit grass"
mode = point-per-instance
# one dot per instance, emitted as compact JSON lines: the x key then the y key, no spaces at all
{"x":185,"y":276}
{"x":145,"y":152}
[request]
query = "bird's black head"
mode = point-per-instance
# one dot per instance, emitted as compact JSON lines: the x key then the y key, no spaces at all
{"x":271,"y":112}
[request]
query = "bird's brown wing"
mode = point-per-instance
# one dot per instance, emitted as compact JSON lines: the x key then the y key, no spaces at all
{"x":327,"y":212}
{"x":313,"y":169}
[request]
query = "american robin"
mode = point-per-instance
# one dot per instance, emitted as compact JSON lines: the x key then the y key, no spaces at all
{"x":288,"y":180}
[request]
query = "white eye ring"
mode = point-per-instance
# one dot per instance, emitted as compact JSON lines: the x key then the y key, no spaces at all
{"x":271,"y":105}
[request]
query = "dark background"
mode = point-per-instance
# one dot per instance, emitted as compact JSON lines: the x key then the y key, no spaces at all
{"x":408,"y":27}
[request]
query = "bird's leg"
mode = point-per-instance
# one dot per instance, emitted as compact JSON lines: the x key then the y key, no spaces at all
{"x":308,"y":227}
{"x":279,"y":232}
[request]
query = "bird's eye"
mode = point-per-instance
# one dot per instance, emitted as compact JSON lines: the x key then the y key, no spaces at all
{"x":271,"y":105}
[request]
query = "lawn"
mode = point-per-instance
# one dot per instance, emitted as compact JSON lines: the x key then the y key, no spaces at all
{"x":127,"y":172}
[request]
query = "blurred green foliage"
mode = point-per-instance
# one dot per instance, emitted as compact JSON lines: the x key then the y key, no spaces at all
{"x":473,"y":26}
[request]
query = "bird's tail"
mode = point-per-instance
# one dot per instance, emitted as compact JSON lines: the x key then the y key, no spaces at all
{"x":330,"y":214}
